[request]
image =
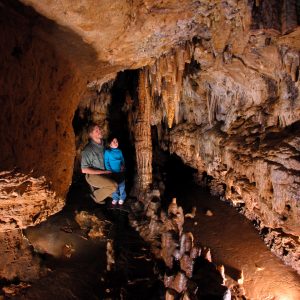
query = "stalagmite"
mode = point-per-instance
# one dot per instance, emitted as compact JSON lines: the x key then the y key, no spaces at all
{"x":168,"y":246}
{"x":172,"y":209}
{"x":192,"y":214}
{"x":180,"y":283}
{"x":186,"y":265}
{"x":109,"y":255}
{"x":207,"y":255}
{"x":195,"y":252}
{"x":209,"y":213}
{"x":241,"y":278}
{"x":221,"y":269}
{"x":189,"y":242}
{"x":186,"y":242}
{"x":143,"y":144}
{"x":179,"y":219}
{"x":227,"y":295}
{"x":169,"y":295}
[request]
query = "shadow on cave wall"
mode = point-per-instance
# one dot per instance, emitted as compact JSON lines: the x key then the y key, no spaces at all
{"x":40,"y":89}
{"x":125,"y":85}
{"x":108,"y":108}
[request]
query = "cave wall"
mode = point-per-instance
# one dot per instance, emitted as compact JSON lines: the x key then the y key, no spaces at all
{"x":230,"y":97}
{"x":50,"y":53}
{"x":234,"y":112}
{"x":39,"y":91}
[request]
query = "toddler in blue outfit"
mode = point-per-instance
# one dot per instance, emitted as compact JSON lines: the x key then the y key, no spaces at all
{"x":114,"y":161}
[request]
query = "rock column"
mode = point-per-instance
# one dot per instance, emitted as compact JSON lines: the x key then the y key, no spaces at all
{"x":143,"y":143}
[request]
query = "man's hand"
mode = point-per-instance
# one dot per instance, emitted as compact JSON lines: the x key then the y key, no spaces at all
{"x":94,"y":171}
{"x":106,"y":172}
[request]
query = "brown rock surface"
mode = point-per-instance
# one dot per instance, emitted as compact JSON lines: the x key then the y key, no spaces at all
{"x":25,"y":201}
{"x":17,"y":259}
{"x":127,"y":34}
{"x":233,"y":111}
{"x":238,"y":120}
{"x":38,"y":90}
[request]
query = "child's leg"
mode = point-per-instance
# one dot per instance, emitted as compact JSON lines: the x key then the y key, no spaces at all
{"x":121,"y":188}
{"x":115,"y":195}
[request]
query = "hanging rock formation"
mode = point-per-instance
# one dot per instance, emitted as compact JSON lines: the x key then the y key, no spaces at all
{"x":236,"y":110}
{"x":221,"y":78}
{"x":166,"y":77}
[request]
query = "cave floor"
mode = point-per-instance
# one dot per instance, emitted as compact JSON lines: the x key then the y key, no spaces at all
{"x":233,"y":240}
{"x":235,"y":243}
{"x":75,"y":265}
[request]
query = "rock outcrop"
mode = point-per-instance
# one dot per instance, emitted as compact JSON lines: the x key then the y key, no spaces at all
{"x":25,"y":201}
{"x":224,"y":82}
{"x":237,"y":117}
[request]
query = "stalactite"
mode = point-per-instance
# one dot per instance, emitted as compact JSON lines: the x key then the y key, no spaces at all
{"x":163,"y":79}
{"x":288,"y":16}
{"x":143,"y":143}
{"x":166,"y":79}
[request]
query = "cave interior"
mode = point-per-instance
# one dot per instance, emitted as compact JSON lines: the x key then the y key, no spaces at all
{"x":203,"y":97}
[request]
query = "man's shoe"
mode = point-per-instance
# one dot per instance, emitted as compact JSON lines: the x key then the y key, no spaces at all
{"x":114,"y":202}
{"x":121,"y":202}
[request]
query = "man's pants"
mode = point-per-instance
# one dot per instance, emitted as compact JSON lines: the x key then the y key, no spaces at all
{"x":104,"y":185}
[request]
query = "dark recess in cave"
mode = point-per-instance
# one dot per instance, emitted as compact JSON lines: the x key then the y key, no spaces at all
{"x":125,"y":83}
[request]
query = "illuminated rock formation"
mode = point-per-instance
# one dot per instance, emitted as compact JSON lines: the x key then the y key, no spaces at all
{"x":220,"y":81}
{"x":238,"y":118}
{"x":142,"y":134}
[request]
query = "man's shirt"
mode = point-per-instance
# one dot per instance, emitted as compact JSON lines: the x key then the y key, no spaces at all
{"x":92,"y":156}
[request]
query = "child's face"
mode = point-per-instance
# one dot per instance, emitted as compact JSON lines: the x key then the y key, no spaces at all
{"x":114,"y":143}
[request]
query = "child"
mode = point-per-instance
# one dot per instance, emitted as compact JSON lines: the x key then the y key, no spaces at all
{"x":114,"y":161}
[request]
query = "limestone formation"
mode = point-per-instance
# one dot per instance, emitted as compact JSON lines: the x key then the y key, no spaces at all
{"x":142,"y":134}
{"x":25,"y":200}
{"x":110,"y":256}
{"x":238,"y":114}
{"x":192,"y":214}
{"x":94,"y":226}
{"x":219,"y":80}
{"x":18,"y":260}
{"x":172,"y":246}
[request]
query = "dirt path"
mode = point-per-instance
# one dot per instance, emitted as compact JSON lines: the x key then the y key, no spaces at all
{"x":236,"y":244}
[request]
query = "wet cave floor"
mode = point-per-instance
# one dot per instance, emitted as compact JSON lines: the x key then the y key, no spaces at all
{"x":233,"y":239}
{"x":77,"y":264}
{"x":235,"y":243}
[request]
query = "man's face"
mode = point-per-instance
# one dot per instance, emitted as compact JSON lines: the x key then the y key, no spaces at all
{"x":96,"y":134}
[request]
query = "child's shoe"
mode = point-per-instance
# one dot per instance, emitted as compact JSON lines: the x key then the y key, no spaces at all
{"x":121,"y":202}
{"x":114,"y":202}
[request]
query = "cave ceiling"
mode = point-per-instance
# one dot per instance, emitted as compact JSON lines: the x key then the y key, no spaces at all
{"x":113,"y":35}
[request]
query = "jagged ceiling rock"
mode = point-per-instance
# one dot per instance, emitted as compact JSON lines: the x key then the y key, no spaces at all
{"x":246,"y":85}
{"x":238,"y":118}
{"x":127,"y":34}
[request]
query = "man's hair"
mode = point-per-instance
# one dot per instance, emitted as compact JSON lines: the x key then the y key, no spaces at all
{"x":91,"y":127}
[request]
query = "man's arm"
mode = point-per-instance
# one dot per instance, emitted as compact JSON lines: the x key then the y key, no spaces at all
{"x":94,"y":171}
{"x":86,"y":165}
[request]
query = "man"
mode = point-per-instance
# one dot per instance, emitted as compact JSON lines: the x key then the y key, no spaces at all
{"x":92,"y":164}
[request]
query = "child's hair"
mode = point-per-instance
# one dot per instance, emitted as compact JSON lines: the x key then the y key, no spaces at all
{"x":110,"y":138}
